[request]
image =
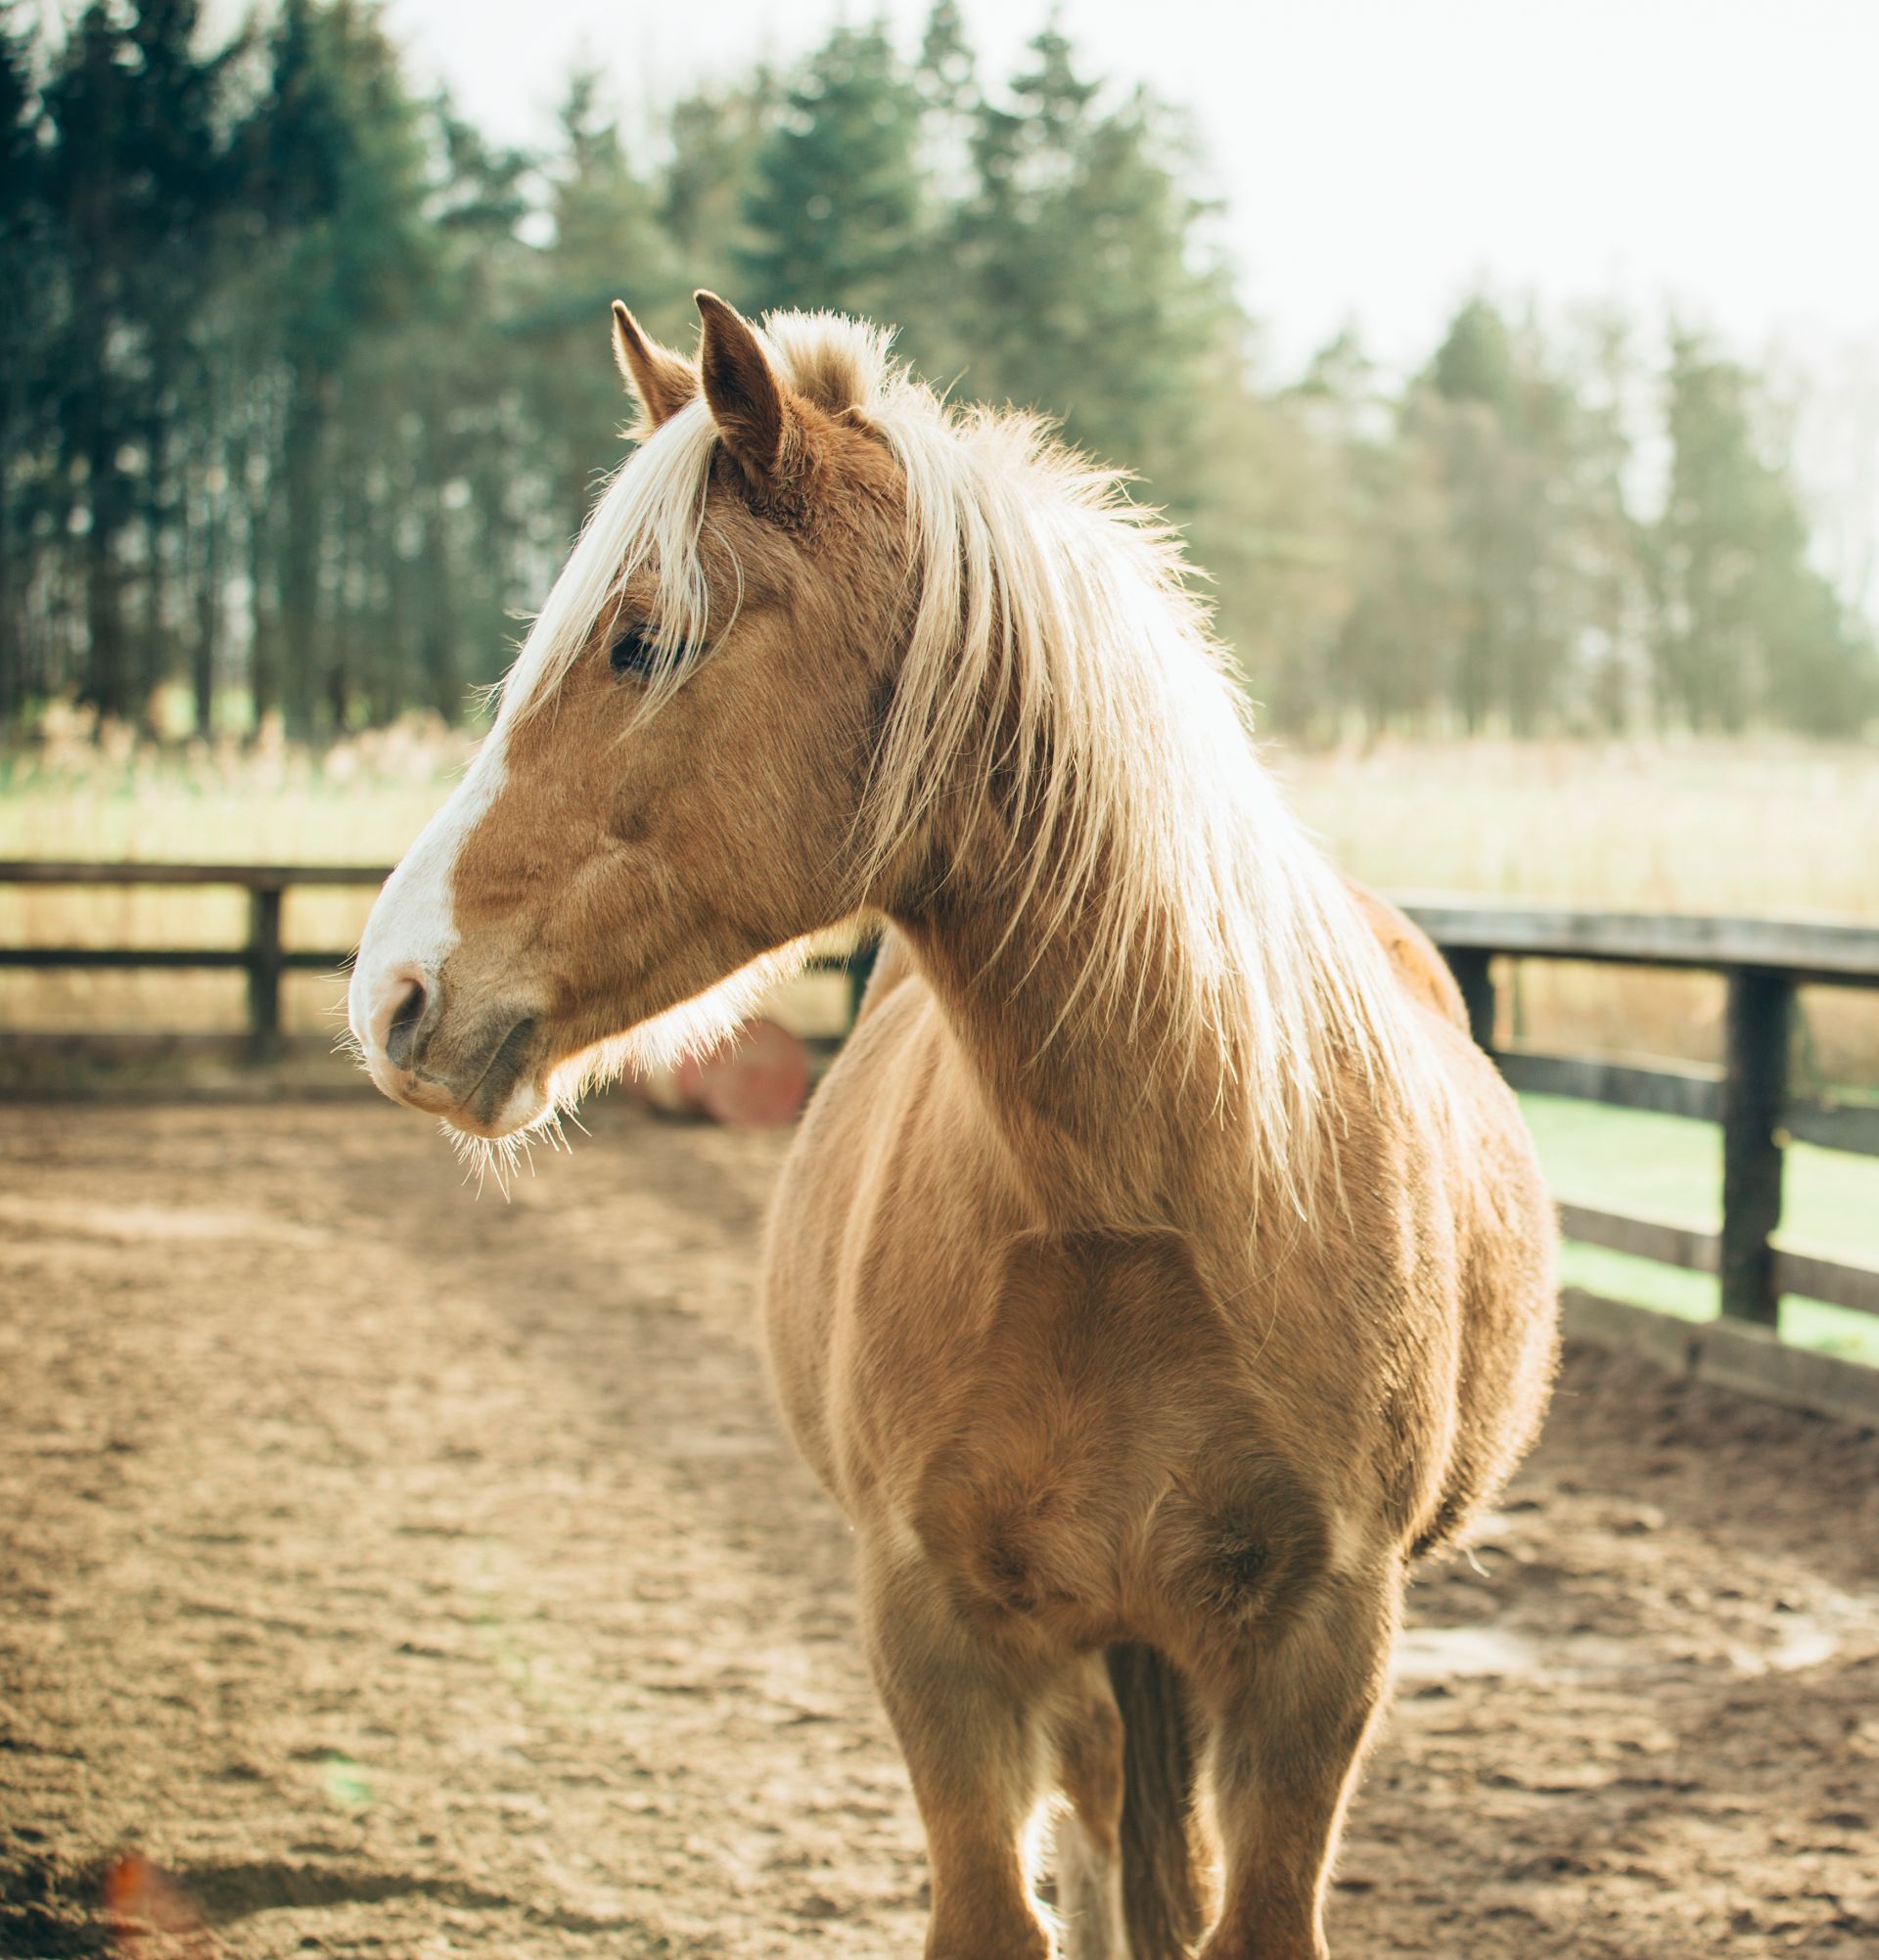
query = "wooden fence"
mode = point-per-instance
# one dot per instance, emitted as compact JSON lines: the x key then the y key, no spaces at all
{"x":264,"y":957}
{"x":1763,"y":962}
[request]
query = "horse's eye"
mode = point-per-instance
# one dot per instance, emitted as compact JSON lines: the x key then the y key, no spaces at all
{"x":634,"y":652}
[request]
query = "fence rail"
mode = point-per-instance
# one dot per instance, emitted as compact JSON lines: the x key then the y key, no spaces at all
{"x":262,"y":956}
{"x":1762,"y":962}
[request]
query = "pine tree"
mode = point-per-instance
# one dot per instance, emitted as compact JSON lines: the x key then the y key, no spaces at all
{"x":609,"y":243}
{"x":1610,"y":558}
{"x":339,"y":170}
{"x":174,"y":150}
{"x":27,"y":268}
{"x":1497,"y":421}
{"x":88,"y":106}
{"x":300,"y":368}
{"x":834,"y":206}
{"x":463,"y":545}
{"x":1087,"y":293}
{"x":715,"y":137}
{"x":1745,"y":624}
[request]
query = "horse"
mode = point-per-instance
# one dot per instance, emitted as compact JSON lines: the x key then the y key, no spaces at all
{"x":1160,"y":1268}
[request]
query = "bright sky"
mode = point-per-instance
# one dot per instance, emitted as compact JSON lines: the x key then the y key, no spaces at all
{"x":1378,"y":157}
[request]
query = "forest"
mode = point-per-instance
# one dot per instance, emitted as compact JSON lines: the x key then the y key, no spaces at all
{"x":304,"y":387}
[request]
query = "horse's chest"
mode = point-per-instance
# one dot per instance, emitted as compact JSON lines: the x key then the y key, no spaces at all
{"x":1099,"y":1462}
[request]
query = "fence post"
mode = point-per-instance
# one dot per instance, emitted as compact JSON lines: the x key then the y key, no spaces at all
{"x":263,"y":972}
{"x":1473,"y":971}
{"x":1755,"y":1093}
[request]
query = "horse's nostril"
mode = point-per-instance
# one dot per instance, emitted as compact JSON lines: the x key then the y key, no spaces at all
{"x":402,"y":1028}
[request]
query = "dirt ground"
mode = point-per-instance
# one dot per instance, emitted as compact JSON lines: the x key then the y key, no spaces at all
{"x":407,"y":1573}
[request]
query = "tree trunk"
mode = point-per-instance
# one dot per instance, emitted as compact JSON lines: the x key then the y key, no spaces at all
{"x":208,"y":606}
{"x":107,"y":681}
{"x":263,"y":611}
{"x":301,"y":550}
{"x":151,"y":665}
{"x":13,"y":638}
{"x":443,"y":678}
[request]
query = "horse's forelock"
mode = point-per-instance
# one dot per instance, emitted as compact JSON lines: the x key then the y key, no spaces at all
{"x":829,"y":360}
{"x":647,"y":519}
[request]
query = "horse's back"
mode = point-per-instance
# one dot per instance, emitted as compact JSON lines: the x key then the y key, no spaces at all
{"x":1414,"y":959}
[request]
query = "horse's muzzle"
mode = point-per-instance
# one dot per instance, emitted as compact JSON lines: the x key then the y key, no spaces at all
{"x":475,"y":1068}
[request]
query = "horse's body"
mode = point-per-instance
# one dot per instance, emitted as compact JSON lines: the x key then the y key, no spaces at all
{"x":1211,"y":1441}
{"x":1161,"y":1266}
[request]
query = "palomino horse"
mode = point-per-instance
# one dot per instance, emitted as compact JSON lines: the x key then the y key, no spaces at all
{"x":1161,"y":1267}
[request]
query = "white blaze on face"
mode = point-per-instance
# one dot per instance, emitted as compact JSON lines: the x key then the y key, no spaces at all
{"x":412,"y":928}
{"x":649,"y":514}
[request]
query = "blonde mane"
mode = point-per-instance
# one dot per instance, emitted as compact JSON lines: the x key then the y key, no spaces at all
{"x":1216,"y":927}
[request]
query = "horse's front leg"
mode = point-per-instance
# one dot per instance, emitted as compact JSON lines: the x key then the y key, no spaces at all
{"x":1290,"y":1720}
{"x":974,"y":1726}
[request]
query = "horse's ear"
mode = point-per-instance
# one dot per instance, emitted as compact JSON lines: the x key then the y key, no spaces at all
{"x":747,"y":400}
{"x":662,"y":382}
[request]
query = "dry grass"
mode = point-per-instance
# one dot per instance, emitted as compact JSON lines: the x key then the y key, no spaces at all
{"x":1777,"y":830}
{"x":1696,"y":827}
{"x":1771,"y":829}
{"x":108,"y":799}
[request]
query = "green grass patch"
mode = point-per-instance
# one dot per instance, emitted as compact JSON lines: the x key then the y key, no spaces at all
{"x":1665,"y":1168}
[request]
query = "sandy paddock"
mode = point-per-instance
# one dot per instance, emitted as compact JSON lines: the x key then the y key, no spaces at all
{"x":407,"y":1573}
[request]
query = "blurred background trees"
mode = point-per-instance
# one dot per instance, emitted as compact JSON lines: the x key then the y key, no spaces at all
{"x":304,"y":387}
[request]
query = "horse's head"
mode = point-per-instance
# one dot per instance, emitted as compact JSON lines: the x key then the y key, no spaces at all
{"x":624,"y":843}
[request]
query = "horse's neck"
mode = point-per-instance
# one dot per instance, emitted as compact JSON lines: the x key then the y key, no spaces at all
{"x":1111,"y":1116}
